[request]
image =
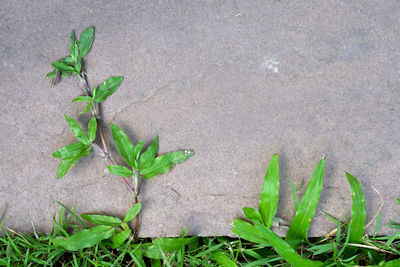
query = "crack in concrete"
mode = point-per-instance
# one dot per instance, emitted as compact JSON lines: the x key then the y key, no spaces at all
{"x":146,"y":99}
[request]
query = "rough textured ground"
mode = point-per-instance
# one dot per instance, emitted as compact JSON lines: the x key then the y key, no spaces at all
{"x":236,"y":81}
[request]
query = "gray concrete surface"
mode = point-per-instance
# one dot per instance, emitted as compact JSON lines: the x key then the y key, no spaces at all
{"x":235,"y":80}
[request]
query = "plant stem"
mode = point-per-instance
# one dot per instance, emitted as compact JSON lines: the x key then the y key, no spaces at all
{"x":83,"y":84}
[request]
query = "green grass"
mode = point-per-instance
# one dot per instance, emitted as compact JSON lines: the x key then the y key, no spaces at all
{"x":74,"y":242}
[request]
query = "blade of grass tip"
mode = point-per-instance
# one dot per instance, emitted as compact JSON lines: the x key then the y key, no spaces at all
{"x":270,"y":192}
{"x":223,"y":260}
{"x":358,"y":212}
{"x":285,"y":250}
{"x":307,"y":207}
{"x":294,"y":193}
{"x":74,"y":215}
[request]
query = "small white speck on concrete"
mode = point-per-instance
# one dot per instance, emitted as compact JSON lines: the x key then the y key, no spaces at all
{"x":271,"y":65}
{"x":161,"y":225}
{"x":106,"y":170}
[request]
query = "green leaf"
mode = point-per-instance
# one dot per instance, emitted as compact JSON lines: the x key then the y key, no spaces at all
{"x":358,"y":213}
{"x":73,"y":47}
{"x":102,"y":219}
{"x":108,"y":88}
{"x":51,"y":74}
{"x":67,"y":60}
{"x":68,"y":163}
{"x":65,"y":166}
{"x":84,"y":239}
{"x":398,"y":200}
{"x":62,"y":67}
{"x":136,"y":154}
{"x":147,"y":158}
{"x":166,"y":245}
{"x":270,"y":192}
{"x":307,"y":207}
{"x":223,"y":260}
{"x":71,"y":150}
{"x":76,"y":129}
{"x":88,"y":107}
{"x":165,"y":162}
{"x":85,"y":41}
{"x":92,"y":127}
{"x":120,"y":171}
{"x":252,"y":215}
{"x":285,"y":250}
{"x":78,"y":65}
{"x":66,"y":74}
{"x":124,"y":145}
{"x":82,"y":99}
{"x":248,"y":232}
{"x":133,"y":212}
{"x":119,"y":238}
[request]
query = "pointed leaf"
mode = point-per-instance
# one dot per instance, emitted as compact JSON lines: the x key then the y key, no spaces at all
{"x":102,"y":219}
{"x":248,"y":232}
{"x":85,"y":41}
{"x":68,"y":163}
{"x":136,"y":154}
{"x":51,"y":74}
{"x":358,"y":213}
{"x":253,"y":215}
{"x":82,"y":99}
{"x":70,"y":151}
{"x":133,"y":212}
{"x":85,"y":238}
{"x":165,"y":162}
{"x":88,"y":107}
{"x":67,"y":60}
{"x":92,"y":127}
{"x":108,"y":88}
{"x":65,"y":166}
{"x":119,"y":238}
{"x":124,"y":145}
{"x":307,"y":207}
{"x":147,"y":158}
{"x":270,"y":192}
{"x":120,"y":171}
{"x":76,"y":129}
{"x":73,"y":47}
{"x":62,"y":67}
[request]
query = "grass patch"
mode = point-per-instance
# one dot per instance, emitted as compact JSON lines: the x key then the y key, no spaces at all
{"x":99,"y":240}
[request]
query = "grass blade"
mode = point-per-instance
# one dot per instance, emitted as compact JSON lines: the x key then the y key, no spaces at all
{"x":223,"y":260}
{"x":307,"y":207}
{"x":270,"y":192}
{"x":358,"y":213}
{"x":285,"y":250}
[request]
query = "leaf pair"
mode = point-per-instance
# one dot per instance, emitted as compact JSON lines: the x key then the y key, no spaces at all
{"x":72,"y":64}
{"x":70,"y":154}
{"x":108,"y":228}
{"x":100,"y":93}
{"x":146,"y":163}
